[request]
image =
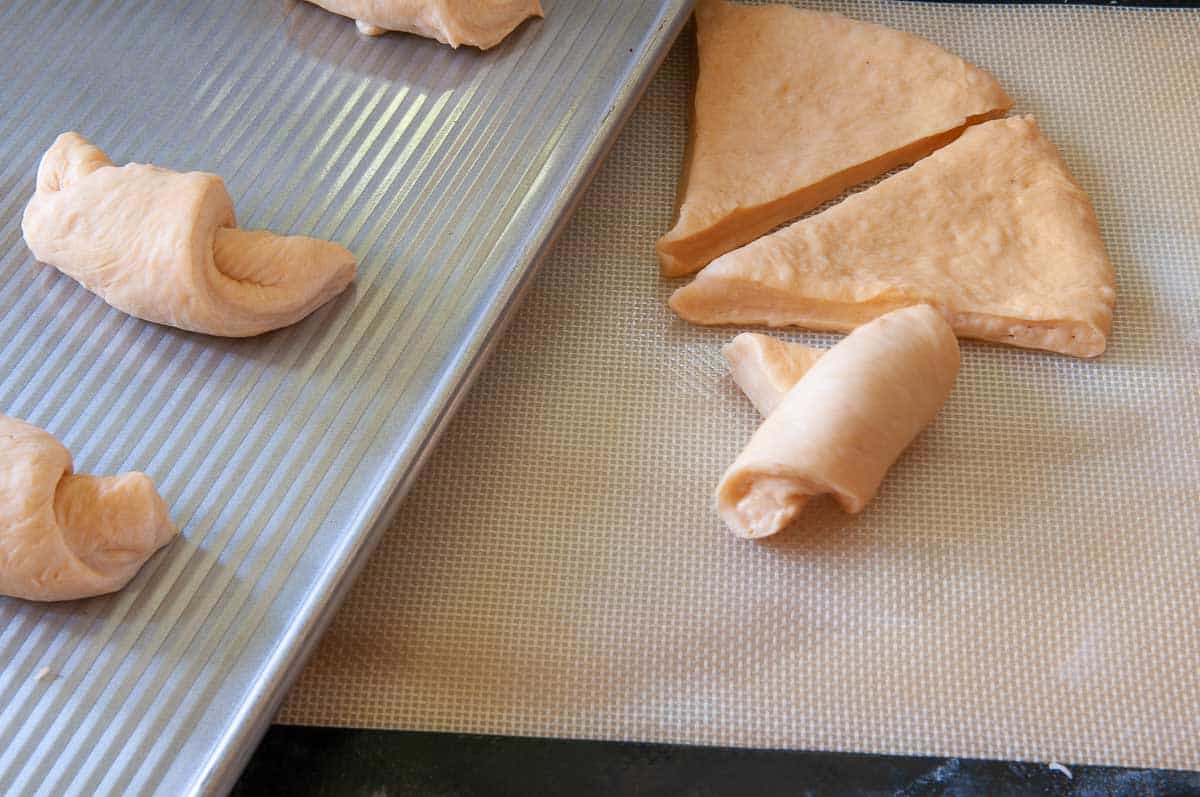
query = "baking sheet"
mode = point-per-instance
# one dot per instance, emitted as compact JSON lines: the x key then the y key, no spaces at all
{"x":1025,"y":585}
{"x":445,"y":172}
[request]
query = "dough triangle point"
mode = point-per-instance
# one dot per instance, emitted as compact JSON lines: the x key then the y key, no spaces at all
{"x":794,"y":106}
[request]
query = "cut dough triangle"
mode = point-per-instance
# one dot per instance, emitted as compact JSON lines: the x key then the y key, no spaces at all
{"x":992,"y":230}
{"x":793,"y":107}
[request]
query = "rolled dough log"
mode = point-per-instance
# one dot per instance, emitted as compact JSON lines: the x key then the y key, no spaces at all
{"x":841,"y":427}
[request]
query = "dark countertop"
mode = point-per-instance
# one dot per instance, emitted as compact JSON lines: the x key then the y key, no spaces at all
{"x":299,"y":761}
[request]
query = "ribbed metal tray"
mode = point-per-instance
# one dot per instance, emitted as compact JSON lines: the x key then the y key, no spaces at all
{"x":446,"y":172}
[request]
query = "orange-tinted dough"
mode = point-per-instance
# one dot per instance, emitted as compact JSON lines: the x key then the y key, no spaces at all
{"x":794,"y":106}
{"x":766,"y":368}
{"x":841,"y":427}
{"x":991,"y":229}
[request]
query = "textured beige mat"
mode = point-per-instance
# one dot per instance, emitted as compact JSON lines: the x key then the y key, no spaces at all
{"x":1026,"y":584}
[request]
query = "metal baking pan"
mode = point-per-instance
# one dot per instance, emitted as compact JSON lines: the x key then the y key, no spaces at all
{"x":447,"y":172}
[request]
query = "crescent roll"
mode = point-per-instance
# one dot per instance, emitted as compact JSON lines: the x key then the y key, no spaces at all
{"x":844,"y":423}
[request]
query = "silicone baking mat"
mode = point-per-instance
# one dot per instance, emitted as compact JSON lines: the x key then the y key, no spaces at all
{"x":1025,"y":585}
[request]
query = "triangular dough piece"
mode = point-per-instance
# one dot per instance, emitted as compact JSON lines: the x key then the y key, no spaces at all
{"x":766,"y":368}
{"x":992,"y":230}
{"x":793,"y":107}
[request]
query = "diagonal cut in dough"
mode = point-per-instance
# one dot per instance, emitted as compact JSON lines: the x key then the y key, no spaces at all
{"x":164,"y":246}
{"x":478,"y":23}
{"x":992,"y":230}
{"x":840,"y":427}
{"x":766,"y":368}
{"x":792,"y":107}
{"x":64,"y":535}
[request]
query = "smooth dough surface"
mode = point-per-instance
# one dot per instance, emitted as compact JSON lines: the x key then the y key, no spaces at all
{"x":65,"y":536}
{"x":478,"y":23}
{"x":792,"y":107}
{"x":842,"y":425}
{"x":164,"y":246}
{"x":992,"y":230}
{"x":766,"y":368}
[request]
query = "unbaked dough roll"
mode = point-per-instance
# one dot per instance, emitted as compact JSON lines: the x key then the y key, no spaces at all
{"x":841,"y":427}
{"x":479,"y":23}
{"x":65,"y":535}
{"x":165,"y":246}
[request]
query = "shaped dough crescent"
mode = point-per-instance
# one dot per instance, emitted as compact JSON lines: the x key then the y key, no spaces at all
{"x":479,"y":23}
{"x":164,"y":246}
{"x":64,"y":535}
